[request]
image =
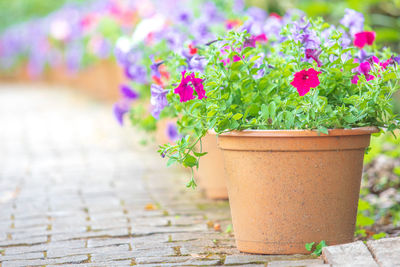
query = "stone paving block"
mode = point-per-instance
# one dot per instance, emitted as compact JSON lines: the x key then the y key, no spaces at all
{"x":38,"y":262}
{"x":102,"y":242}
{"x":386,"y":251}
{"x":25,"y":256}
{"x":107,"y":256}
{"x":120,"y":232}
{"x":96,"y":264}
{"x":63,"y":252}
{"x":43,"y":247}
{"x":250,"y":258}
{"x":301,"y":263}
{"x":161,"y":259}
{"x":26,"y":241}
{"x":351,"y":255}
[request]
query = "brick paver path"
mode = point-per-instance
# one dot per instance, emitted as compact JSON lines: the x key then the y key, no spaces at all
{"x":78,"y":190}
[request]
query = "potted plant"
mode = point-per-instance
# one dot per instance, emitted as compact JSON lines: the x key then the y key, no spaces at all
{"x":294,"y":118}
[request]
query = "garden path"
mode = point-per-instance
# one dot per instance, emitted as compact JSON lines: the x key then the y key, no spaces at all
{"x":78,"y":190}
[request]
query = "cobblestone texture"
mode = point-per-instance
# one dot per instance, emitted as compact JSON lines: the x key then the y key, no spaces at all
{"x":78,"y":190}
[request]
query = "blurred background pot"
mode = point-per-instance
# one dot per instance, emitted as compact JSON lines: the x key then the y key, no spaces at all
{"x":292,"y":187}
{"x":211,"y":172}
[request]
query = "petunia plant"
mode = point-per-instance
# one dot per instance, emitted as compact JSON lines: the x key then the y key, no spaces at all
{"x":313,"y":76}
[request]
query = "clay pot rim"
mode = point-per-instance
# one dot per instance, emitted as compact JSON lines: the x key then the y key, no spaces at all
{"x":302,"y":133}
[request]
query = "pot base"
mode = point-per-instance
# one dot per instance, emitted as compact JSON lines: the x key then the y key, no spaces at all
{"x":216,"y":193}
{"x":278,"y":248}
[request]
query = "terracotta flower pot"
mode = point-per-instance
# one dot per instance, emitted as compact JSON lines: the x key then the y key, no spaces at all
{"x":291,"y":187}
{"x":211,"y":172}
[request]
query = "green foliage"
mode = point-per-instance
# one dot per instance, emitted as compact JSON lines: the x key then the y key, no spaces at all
{"x":318,"y":248}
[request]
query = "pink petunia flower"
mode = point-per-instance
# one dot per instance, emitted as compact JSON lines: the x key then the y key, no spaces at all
{"x":314,"y":54}
{"x":364,"y":38}
{"x":236,"y":58}
{"x":364,"y":69}
{"x":198,"y":86}
{"x":184,"y":90}
{"x":251,"y":42}
{"x":304,"y":80}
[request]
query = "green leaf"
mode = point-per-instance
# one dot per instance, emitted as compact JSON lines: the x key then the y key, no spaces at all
{"x":389,"y":76}
{"x":211,"y":113}
{"x":309,"y":246}
{"x":379,"y":236}
{"x":190,"y":161}
{"x":318,"y":248}
{"x":350,"y":118}
{"x":322,"y":129}
{"x":363,"y":220}
{"x":363,"y":205}
{"x":199,"y":154}
{"x":171,"y":161}
{"x":237,"y":116}
{"x":228,"y":229}
{"x":396,"y":170}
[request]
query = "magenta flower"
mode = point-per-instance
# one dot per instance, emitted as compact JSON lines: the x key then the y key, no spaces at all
{"x":184,"y":90}
{"x":304,"y":80}
{"x":198,"y":86}
{"x":314,"y":54}
{"x":364,"y":69}
{"x":251,"y":42}
{"x":364,"y":38}
{"x":225,"y":61}
{"x":236,"y":58}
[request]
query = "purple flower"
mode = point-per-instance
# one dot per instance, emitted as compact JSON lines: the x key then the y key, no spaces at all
{"x":120,"y":109}
{"x":397,"y":59}
{"x":362,"y":56}
{"x":308,"y":38}
{"x":127,"y":92}
{"x":211,"y":13}
{"x":158,"y":100}
{"x":154,"y":67}
{"x":345,"y":40}
{"x":172,"y":132}
{"x":124,"y":104}
{"x":136,"y":73}
{"x":197,"y":63}
{"x":184,"y":17}
{"x":272,"y":27}
{"x":257,"y":14}
{"x":353,"y":20}
{"x":257,"y":64}
{"x":238,"y":5}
